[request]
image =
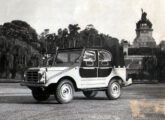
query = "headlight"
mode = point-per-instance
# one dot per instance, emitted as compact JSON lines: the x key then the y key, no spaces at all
{"x":24,"y":75}
{"x":40,"y":76}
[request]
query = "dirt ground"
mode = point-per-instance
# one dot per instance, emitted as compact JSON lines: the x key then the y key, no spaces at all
{"x":138,"y":102}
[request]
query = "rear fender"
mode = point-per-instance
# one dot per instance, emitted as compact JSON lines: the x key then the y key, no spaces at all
{"x":118,"y":79}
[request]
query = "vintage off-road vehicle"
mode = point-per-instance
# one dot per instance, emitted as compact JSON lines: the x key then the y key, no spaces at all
{"x":88,"y":70}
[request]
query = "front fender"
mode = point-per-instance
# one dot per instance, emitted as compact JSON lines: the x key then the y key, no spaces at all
{"x":71,"y":72}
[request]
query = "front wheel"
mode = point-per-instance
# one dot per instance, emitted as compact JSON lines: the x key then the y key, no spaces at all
{"x":40,"y":94}
{"x":113,"y":91}
{"x":64,"y":92}
{"x":90,"y":94}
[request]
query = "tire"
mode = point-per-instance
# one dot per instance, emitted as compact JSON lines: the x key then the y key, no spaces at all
{"x":64,"y":92}
{"x":90,"y":94}
{"x":39,"y":94}
{"x":113,"y":91}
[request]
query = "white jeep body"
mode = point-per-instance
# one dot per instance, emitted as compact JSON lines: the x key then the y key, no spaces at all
{"x":92,"y":69}
{"x":53,"y":74}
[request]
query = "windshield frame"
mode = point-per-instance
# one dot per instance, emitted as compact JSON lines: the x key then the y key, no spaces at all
{"x":69,"y":51}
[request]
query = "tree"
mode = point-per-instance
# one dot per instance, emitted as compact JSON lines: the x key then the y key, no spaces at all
{"x":150,"y":65}
{"x":19,"y":29}
{"x":160,"y":55}
{"x":51,"y":42}
{"x":12,"y":34}
{"x":89,"y":35}
{"x":65,"y":38}
{"x":73,"y":34}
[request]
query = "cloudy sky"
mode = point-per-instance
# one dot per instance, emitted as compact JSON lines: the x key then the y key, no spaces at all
{"x":114,"y":17}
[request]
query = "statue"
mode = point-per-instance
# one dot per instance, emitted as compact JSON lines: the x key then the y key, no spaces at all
{"x":143,"y":20}
{"x":144,"y":16}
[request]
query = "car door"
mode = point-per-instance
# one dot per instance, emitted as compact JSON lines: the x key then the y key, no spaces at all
{"x":105,"y":63}
{"x":88,"y":68}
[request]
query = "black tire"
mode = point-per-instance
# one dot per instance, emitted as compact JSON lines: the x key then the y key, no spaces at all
{"x":64,"y":92}
{"x":113,"y":91}
{"x":39,"y":94}
{"x":90,"y":94}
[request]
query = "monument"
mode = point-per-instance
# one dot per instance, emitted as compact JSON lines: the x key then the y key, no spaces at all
{"x":141,"y":53}
{"x":144,"y":33}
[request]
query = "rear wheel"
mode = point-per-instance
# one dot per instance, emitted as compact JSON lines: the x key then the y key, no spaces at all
{"x":64,"y":92}
{"x":90,"y":94}
{"x":113,"y":91}
{"x":40,"y":94}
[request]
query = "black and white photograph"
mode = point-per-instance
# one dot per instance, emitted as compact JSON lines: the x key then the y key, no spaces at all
{"x":82,"y":60}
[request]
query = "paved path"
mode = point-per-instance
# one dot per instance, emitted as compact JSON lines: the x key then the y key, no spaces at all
{"x":138,"y":102}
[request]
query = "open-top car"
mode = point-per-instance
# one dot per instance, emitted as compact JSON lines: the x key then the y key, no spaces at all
{"x":88,"y":70}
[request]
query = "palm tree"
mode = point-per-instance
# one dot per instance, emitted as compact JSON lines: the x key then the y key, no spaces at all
{"x":89,"y":35}
{"x":60,"y":35}
{"x":73,"y":34}
{"x":64,"y":37}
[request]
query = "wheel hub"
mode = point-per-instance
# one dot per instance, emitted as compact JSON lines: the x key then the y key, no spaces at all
{"x":66,"y":91}
{"x":115,"y":89}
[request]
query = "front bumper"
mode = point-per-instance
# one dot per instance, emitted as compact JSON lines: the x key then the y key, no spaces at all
{"x":32,"y":84}
{"x":128,"y":82}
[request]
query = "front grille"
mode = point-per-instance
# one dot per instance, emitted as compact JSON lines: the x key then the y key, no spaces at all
{"x":32,"y":76}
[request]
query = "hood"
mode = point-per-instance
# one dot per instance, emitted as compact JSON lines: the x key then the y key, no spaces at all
{"x":54,"y":68}
{"x":37,"y":68}
{"x":48,"y":68}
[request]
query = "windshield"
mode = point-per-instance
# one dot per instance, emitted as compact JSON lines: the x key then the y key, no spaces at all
{"x":68,"y":56}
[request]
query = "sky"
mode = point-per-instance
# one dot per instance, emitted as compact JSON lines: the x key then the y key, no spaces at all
{"x":116,"y":18}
